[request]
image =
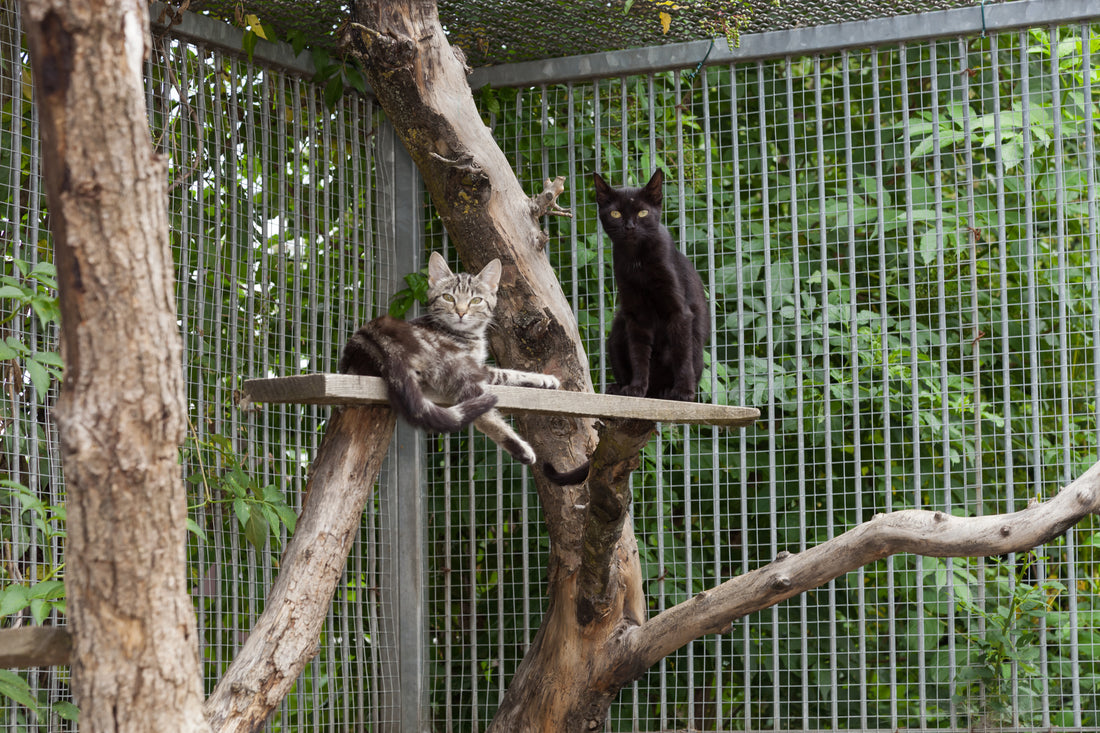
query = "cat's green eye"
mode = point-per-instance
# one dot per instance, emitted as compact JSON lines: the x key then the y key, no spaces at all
{"x":448,"y":297}
{"x":616,"y":215}
{"x":475,"y":301}
{"x":642,"y":213}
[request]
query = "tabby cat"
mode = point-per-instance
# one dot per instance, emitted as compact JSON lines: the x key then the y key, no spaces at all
{"x":662,"y":326}
{"x":441,"y":356}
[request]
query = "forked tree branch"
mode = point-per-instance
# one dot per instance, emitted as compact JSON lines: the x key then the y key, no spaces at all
{"x":927,"y":533}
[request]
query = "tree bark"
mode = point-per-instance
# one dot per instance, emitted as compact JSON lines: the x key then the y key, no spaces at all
{"x":285,"y":637}
{"x":120,"y":414}
{"x":594,"y":570}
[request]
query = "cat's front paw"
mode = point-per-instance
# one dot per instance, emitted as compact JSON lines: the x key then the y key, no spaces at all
{"x":678,"y":395}
{"x":551,"y":382}
{"x":630,"y":390}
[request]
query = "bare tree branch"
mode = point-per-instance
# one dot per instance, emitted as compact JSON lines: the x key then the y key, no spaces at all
{"x":284,"y":638}
{"x":609,"y":496}
{"x":927,"y":533}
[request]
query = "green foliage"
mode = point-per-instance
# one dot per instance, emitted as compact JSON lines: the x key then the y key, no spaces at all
{"x":1003,"y":616}
{"x":32,"y":288}
{"x":35,"y":525}
{"x":333,"y":74}
{"x":416,"y":291}
{"x":222,"y":479}
{"x":14,"y":687}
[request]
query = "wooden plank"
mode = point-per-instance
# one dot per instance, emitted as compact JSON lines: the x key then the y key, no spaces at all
{"x":348,"y":389}
{"x":35,"y":646}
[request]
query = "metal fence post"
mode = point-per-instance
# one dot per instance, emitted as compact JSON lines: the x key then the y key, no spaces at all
{"x":401,"y":235}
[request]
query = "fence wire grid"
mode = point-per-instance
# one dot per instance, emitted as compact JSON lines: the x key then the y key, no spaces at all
{"x":900,"y":244}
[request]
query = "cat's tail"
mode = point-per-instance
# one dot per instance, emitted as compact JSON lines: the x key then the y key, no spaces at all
{"x":568,"y":478}
{"x":363,"y":355}
{"x":408,"y":399}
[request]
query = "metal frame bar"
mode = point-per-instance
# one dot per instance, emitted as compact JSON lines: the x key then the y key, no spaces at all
{"x":402,"y":233}
{"x":796,"y":42}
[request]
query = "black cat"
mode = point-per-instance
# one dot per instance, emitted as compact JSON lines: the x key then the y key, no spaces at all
{"x":662,"y":325}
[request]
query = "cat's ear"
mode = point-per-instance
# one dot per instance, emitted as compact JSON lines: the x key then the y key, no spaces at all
{"x":437,"y":268}
{"x":603,"y":191}
{"x":490,"y":274}
{"x":652,"y":191}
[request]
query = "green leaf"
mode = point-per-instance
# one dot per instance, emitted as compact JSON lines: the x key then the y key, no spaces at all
{"x":40,"y":378}
{"x":46,"y":308}
{"x":929,"y":247}
{"x":65,"y":710}
{"x":356,"y":80}
{"x":49,"y":358}
{"x":40,"y":610}
{"x":256,"y":531}
{"x":288,"y":516}
{"x":10,"y":291}
{"x":194,"y":528}
{"x":17,"y":346}
{"x":322,"y":63}
{"x":297,"y":40}
{"x":242,"y":510}
{"x":48,"y":589}
{"x":13,"y":599}
{"x":248,"y":43}
{"x":15,"y":687}
{"x":334,"y":90}
{"x":43,"y":271}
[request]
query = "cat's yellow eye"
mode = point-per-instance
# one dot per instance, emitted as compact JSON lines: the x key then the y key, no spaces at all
{"x":475,"y":300}
{"x":448,"y":297}
{"x":642,"y":213}
{"x":616,"y":215}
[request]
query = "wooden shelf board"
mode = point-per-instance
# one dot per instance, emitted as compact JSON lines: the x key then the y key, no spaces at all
{"x":348,"y":389}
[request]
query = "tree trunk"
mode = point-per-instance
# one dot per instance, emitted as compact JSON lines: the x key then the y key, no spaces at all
{"x":121,"y":411}
{"x":594,"y":573}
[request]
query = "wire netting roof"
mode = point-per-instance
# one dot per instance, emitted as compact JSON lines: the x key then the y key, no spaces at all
{"x":504,"y":31}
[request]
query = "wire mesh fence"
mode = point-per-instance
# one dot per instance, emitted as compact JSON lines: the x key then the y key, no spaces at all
{"x":900,"y":245}
{"x":273,"y":219}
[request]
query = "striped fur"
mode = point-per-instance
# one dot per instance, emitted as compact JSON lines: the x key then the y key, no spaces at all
{"x":441,"y":357}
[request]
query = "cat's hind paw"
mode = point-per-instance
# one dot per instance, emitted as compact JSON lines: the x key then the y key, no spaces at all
{"x":519,"y":450}
{"x":469,"y":410}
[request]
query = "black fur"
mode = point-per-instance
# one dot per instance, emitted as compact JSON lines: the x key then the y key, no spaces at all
{"x":662,"y":326}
